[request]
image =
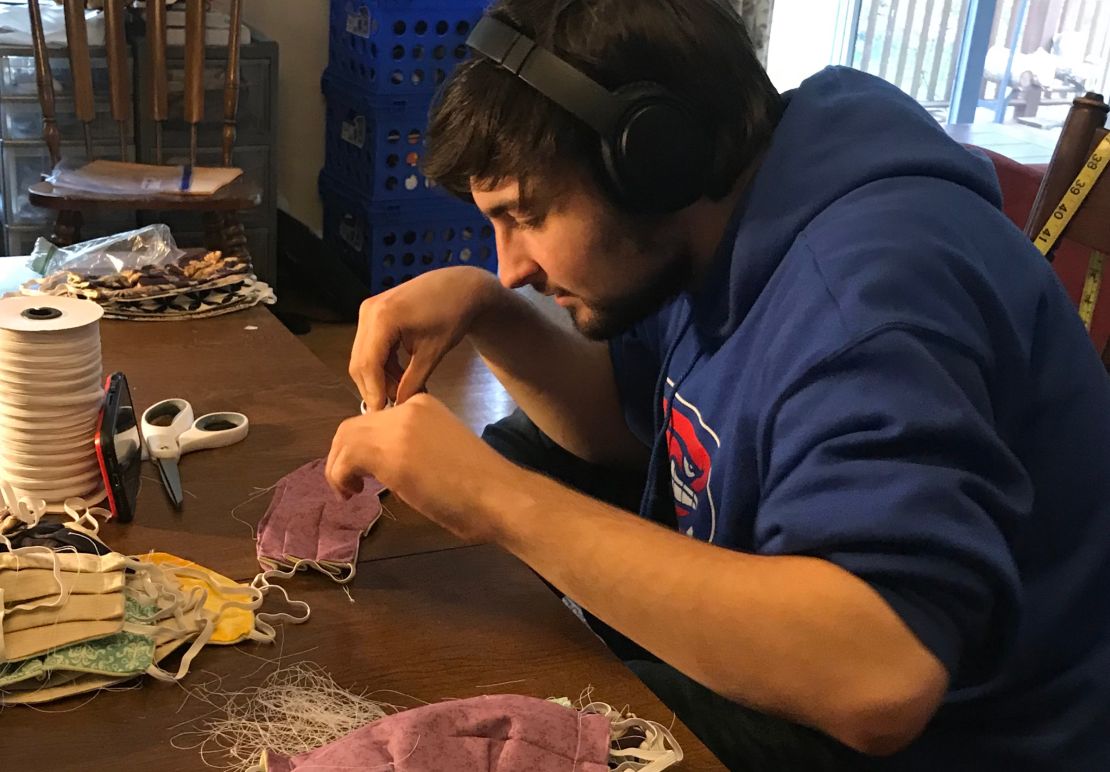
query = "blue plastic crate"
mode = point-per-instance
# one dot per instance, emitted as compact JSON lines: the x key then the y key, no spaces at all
{"x":400,"y":46}
{"x":387,"y":244}
{"x":375,"y":146}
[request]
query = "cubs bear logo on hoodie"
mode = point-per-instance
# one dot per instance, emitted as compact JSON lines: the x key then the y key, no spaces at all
{"x":691,"y":444}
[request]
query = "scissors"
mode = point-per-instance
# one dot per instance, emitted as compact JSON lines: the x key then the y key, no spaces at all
{"x":170,"y":432}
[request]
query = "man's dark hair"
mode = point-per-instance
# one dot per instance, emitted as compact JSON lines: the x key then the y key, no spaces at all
{"x":490,"y":126}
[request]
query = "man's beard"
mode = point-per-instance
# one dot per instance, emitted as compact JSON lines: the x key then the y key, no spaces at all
{"x":611,"y":318}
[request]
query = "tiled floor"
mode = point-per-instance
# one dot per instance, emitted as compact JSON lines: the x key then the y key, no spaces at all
{"x":1024,"y":144}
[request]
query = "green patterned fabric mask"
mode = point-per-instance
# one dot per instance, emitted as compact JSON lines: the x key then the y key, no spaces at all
{"x":118,"y":657}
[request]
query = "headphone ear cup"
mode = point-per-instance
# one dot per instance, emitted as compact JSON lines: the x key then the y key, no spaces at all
{"x":611,"y":176}
{"x":657,"y":159}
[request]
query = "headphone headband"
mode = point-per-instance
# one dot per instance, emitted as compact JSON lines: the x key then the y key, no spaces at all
{"x":568,"y":87}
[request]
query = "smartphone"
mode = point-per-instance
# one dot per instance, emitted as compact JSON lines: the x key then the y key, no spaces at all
{"x":119,"y":448}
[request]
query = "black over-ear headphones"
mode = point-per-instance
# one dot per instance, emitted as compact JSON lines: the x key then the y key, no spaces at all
{"x":655,"y":154}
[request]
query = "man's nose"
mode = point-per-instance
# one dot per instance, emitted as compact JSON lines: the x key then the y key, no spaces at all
{"x":515,"y":264}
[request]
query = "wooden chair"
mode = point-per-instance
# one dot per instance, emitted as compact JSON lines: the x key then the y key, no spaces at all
{"x":1083,"y":130}
{"x":222,"y":228}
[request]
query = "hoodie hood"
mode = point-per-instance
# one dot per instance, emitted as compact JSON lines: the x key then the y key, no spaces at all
{"x":841,"y":130}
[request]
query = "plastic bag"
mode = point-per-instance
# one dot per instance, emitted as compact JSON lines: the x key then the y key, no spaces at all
{"x":13,"y":272}
{"x":121,"y":178}
{"x":15,"y":25}
{"x":149,"y":245}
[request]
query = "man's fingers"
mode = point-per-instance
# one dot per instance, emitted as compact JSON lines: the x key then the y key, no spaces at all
{"x":416,"y":375}
{"x":344,"y":477}
{"x":352,"y":455}
{"x":394,"y":372}
{"x":351,"y":485}
{"x":338,"y":469}
{"x":362,"y":332}
{"x":375,"y":345}
{"x":330,"y":465}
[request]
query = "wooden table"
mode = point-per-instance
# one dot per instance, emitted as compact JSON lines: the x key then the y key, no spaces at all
{"x":431,"y":618}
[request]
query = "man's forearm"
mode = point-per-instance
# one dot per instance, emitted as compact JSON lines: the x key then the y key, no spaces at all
{"x":563,"y":381}
{"x":792,"y":636}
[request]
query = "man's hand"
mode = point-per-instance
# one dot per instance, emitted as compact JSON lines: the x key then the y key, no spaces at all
{"x":427,"y":316}
{"x":425,"y":455}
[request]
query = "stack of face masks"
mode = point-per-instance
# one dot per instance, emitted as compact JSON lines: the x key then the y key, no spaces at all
{"x":74,"y":622}
{"x":75,"y":616}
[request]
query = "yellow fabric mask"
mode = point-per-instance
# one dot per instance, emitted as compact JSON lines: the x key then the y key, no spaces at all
{"x":230,"y":605}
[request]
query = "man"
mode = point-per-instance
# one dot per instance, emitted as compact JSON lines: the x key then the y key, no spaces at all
{"x":876,"y":436}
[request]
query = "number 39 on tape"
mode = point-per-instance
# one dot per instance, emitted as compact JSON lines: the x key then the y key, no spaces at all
{"x":1063,"y":215}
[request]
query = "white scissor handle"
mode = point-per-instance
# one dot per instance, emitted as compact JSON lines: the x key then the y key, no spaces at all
{"x":163,"y":423}
{"x":214,"y":430}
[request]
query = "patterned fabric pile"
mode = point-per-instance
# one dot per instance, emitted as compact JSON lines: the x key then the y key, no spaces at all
{"x":194,"y":286}
{"x":76,"y":616}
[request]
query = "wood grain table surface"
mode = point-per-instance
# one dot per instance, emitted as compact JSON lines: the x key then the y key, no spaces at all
{"x":428,"y":618}
{"x":294,"y":404}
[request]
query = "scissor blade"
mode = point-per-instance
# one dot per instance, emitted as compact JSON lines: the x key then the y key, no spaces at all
{"x":171,"y":479}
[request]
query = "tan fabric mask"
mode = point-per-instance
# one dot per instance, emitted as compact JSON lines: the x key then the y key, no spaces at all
{"x":32,"y":623}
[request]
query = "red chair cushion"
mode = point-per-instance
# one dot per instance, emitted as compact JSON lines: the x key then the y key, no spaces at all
{"x":1019,"y":187}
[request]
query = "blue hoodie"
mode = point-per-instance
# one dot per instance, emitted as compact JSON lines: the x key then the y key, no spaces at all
{"x":881,"y":371}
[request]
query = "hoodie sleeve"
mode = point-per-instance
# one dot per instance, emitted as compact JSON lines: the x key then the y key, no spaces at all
{"x":884,"y":459}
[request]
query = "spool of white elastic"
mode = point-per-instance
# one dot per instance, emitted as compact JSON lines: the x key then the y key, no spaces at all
{"x":51,"y":392}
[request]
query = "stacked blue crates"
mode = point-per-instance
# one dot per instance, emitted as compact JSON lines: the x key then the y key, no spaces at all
{"x":383,"y":218}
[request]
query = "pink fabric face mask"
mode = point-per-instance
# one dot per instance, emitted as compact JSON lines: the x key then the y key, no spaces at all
{"x":307,"y":525}
{"x":500,"y":733}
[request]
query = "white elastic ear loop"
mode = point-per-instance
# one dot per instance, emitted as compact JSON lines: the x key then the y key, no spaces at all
{"x":24,"y":509}
{"x":187,"y":608}
{"x":261,"y":632}
{"x":159,"y":583}
{"x":658,"y":749}
{"x":263,"y":620}
{"x":340,"y":573}
{"x":83,"y":517}
{"x":248,"y":591}
{"x":187,"y":658}
{"x":47,"y":601}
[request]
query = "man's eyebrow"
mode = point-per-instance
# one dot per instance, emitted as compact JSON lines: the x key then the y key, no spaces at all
{"x":502,"y":207}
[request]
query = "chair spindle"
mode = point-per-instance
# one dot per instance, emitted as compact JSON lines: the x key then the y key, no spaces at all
{"x":119,"y":77}
{"x":159,"y":80}
{"x":231,"y":81}
{"x":44,"y":79}
{"x":80,"y":64}
{"x":194,"y":71}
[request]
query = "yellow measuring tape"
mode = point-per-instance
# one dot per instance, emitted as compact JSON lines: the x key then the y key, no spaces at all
{"x":1060,"y":218}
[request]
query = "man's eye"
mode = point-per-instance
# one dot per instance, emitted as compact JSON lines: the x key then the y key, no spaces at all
{"x":530,"y":223}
